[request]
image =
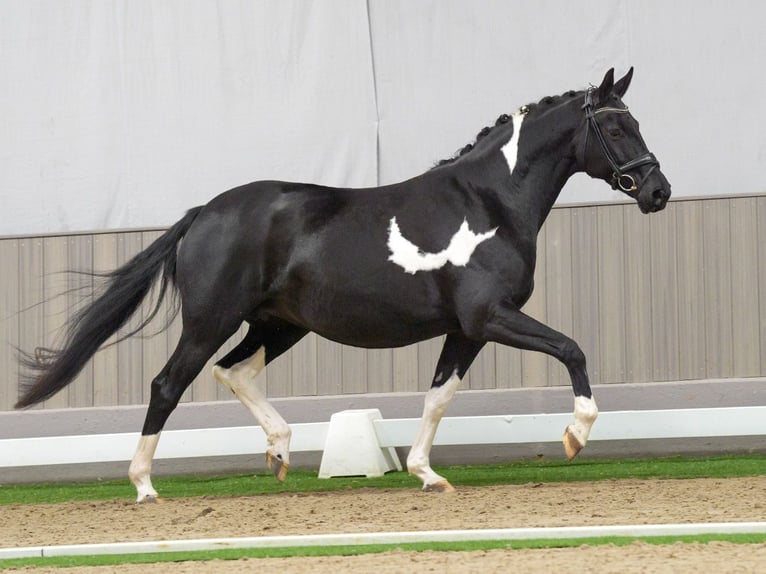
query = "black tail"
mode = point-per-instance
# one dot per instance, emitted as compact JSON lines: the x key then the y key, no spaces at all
{"x":125,"y":289}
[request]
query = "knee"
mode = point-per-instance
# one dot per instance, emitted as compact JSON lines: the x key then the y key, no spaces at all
{"x":474,"y":321}
{"x":572,"y":355}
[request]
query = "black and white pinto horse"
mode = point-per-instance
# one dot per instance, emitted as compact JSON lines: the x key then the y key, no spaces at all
{"x":451,"y":251}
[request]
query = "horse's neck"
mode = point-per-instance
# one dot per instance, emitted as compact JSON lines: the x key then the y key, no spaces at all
{"x":542,"y":169}
{"x":542,"y":185}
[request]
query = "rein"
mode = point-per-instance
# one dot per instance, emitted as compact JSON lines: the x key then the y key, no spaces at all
{"x":620,"y":178}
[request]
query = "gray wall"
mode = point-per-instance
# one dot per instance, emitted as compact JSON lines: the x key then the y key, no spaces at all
{"x":679,"y":295}
{"x":124,"y":113}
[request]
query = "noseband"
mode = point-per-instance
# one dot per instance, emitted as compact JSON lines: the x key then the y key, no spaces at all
{"x":620,"y":178}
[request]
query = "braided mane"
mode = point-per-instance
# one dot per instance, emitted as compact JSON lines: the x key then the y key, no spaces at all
{"x":502,"y":119}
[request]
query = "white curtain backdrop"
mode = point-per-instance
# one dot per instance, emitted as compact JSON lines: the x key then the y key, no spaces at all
{"x":124,"y":113}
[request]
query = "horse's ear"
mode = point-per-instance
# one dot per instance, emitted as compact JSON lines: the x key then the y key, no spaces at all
{"x":606,"y":86}
{"x":623,"y":83}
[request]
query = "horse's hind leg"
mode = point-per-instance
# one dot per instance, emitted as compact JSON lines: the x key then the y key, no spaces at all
{"x":238,"y":370}
{"x":183,"y":366}
{"x":457,"y":355}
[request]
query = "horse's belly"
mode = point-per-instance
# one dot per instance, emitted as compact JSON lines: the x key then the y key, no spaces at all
{"x":373,"y":320}
{"x":374,"y":336}
{"x":377,"y":335}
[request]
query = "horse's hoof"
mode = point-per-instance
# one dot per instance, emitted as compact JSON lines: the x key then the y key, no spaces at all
{"x":441,"y":486}
{"x":571,"y":445}
{"x":277,"y":466}
{"x":149,"y":499}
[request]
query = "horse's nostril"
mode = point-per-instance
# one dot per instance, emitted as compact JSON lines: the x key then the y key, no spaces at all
{"x":659,"y":196}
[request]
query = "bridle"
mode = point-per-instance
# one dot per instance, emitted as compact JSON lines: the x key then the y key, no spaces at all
{"x":620,"y":178}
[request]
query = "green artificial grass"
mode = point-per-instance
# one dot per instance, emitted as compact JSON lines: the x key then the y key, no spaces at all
{"x":480,"y":475}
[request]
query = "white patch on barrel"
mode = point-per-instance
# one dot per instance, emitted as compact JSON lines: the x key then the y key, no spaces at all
{"x":412,"y":259}
{"x":511,"y":149}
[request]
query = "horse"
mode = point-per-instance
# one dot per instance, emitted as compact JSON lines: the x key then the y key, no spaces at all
{"x":449,"y":252}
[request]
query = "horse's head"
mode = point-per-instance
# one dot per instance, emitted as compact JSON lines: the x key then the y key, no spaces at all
{"x":611,"y":147}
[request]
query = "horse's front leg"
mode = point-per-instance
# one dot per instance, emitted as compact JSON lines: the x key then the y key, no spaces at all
{"x":509,"y":326}
{"x":457,"y":355}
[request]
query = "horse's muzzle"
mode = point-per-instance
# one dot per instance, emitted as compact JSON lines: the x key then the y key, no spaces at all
{"x":659,"y":199}
{"x":655,"y":193}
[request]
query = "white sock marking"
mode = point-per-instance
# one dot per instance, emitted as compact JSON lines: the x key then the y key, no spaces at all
{"x":511,"y":149}
{"x":585,"y":414}
{"x":412,"y":259}
{"x":418,"y":462}
{"x":240,"y":379}
{"x":141,"y":467}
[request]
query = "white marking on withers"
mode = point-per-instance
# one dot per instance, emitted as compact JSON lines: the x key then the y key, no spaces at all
{"x":585,"y":414}
{"x":418,"y":461}
{"x":511,"y":149}
{"x":240,"y":380}
{"x":141,"y":467}
{"x":412,"y":259}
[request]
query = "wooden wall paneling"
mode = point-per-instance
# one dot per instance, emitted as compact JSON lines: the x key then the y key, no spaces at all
{"x":718,"y":326}
{"x":482,"y":374}
{"x":380,"y":370}
{"x":534,"y":365}
{"x":304,"y":367}
{"x":761,"y":241}
{"x":558,"y":279}
{"x":508,"y":361}
{"x":405,"y":369}
{"x":130,"y":384}
{"x":31,"y":295}
{"x":279,"y":376}
{"x":79,"y":295}
{"x":55,"y":284}
{"x":744,"y":287}
{"x":611,"y":289}
{"x":664,"y":295}
{"x":354,"y":369}
{"x":690,"y":237}
{"x":585,"y":293}
{"x":693,"y":306}
{"x":638,"y":295}
{"x":105,"y":363}
{"x":155,"y":347}
{"x":329,"y":372}
{"x":9,"y":322}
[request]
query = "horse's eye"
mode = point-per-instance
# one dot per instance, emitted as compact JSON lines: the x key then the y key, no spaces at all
{"x":615,"y":132}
